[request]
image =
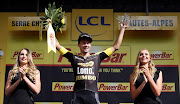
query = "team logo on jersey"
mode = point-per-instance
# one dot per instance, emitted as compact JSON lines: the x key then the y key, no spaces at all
{"x":85,"y":70}
{"x":90,"y":63}
{"x":86,"y":77}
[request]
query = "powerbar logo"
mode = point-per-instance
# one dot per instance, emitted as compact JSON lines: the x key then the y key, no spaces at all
{"x":102,"y":86}
{"x":162,"y":55}
{"x":113,"y":87}
{"x":35,"y":54}
{"x":168,"y":87}
{"x":62,"y":86}
{"x":106,"y":87}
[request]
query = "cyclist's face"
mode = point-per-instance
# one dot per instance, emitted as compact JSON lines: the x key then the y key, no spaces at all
{"x":85,"y":45}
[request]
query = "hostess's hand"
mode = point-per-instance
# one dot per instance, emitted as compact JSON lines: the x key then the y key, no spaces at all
{"x":145,"y":79}
{"x":146,"y":72}
{"x":23,"y":71}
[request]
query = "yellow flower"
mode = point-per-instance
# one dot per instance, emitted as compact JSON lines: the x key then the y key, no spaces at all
{"x":63,"y":21}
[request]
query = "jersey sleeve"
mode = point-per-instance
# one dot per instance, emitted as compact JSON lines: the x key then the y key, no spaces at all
{"x":108,"y":51}
{"x":105,"y":54}
{"x":67,"y":54}
{"x":63,"y":51}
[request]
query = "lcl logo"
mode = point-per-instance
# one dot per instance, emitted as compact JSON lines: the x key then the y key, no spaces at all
{"x":88,"y":22}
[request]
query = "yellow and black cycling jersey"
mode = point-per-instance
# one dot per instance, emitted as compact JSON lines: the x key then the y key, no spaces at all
{"x":86,"y":70}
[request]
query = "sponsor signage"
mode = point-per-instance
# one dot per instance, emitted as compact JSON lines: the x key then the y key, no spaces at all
{"x":26,"y":23}
{"x":62,"y":86}
{"x":37,"y":54}
{"x":97,"y":22}
{"x":113,"y":87}
{"x":168,"y":87}
{"x":102,"y":87}
{"x":162,"y":55}
{"x":106,"y":87}
{"x":152,"y":23}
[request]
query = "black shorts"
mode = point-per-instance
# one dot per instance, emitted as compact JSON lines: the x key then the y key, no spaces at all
{"x":85,"y":97}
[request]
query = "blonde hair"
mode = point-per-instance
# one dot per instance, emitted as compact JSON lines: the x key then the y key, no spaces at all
{"x":136,"y":71}
{"x":32,"y":72}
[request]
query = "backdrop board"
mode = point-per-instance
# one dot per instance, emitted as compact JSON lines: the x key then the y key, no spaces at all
{"x":57,"y":78}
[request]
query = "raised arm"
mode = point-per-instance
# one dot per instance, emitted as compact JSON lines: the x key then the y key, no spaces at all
{"x":58,"y":46}
{"x":118,"y":41}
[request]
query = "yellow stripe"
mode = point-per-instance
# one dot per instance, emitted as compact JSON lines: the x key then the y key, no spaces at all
{"x":63,"y":51}
{"x":108,"y":51}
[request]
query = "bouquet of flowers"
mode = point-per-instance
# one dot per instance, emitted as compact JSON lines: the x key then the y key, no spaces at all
{"x":54,"y":16}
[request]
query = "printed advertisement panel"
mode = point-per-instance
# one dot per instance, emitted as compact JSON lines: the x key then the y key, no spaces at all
{"x":26,"y":23}
{"x":57,"y":84}
{"x":152,"y":23}
{"x":57,"y":76}
{"x":97,"y":22}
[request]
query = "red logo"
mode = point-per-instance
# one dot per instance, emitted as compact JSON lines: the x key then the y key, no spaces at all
{"x":35,"y":54}
{"x":168,"y":87}
{"x":162,"y":55}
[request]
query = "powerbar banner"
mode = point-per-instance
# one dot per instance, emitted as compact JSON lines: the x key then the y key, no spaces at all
{"x":114,"y":88}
